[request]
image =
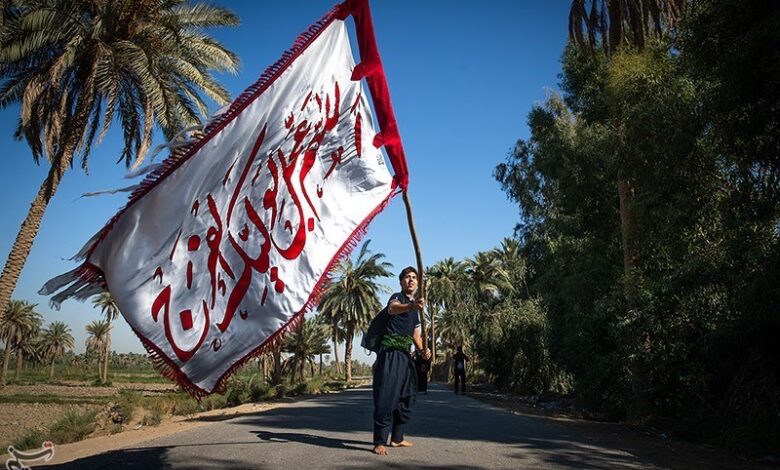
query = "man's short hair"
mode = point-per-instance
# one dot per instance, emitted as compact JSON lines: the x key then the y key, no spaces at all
{"x":407,"y":270}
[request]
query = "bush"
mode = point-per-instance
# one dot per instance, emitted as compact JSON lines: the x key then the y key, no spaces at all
{"x":237,"y":392}
{"x":183,"y":405}
{"x":126,"y":403}
{"x":258,"y":391}
{"x":300,"y":389}
{"x":72,"y":427}
{"x":334,"y":385}
{"x":155,"y":415}
{"x":31,"y":439}
{"x":214,"y":402}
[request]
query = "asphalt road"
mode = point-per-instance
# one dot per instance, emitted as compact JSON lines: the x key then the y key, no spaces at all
{"x":334,"y":432}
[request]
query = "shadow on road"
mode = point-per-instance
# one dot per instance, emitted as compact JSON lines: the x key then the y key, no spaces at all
{"x":452,"y":431}
{"x":147,"y":458}
{"x":310,"y":439}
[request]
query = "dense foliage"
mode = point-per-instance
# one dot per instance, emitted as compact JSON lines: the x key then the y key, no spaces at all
{"x":692,"y":123}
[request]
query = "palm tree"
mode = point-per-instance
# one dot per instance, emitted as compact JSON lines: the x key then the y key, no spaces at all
{"x":305,"y":342}
{"x":25,"y":344}
{"x":76,"y":65}
{"x":18,"y":324}
{"x":31,"y":351}
{"x":337,"y":332}
{"x":107,"y":305}
{"x":444,"y":280}
{"x":616,"y":24}
{"x":455,"y":330}
{"x":330,"y":327}
{"x":105,"y":301}
{"x":99,"y":340}
{"x":510,"y":258}
{"x":620,"y":24}
{"x":352,"y":297}
{"x":56,"y":339}
{"x":487,"y":277}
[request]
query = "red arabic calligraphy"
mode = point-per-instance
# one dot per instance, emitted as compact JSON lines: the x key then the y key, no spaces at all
{"x":275,"y":222}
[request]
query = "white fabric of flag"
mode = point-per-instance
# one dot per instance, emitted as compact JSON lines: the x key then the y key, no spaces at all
{"x":229,"y":245}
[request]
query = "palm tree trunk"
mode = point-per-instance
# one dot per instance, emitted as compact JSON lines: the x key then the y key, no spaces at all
{"x":276,"y":378}
{"x":24,"y":239}
{"x":320,"y":364}
{"x":105,"y":360}
{"x":348,"y":353}
{"x":19,"y":360}
{"x":433,"y":340}
{"x":51,"y":369}
{"x":6,"y":359}
{"x":100,"y":365}
{"x":336,"y":352}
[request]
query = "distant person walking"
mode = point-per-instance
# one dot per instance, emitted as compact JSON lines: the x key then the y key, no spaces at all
{"x":423,"y":365}
{"x":460,"y":369}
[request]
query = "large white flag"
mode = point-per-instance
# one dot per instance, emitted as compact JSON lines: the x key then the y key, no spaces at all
{"x":228,"y":243}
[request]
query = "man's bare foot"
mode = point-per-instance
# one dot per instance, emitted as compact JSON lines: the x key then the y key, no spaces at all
{"x":403,"y":443}
{"x":380,"y":450}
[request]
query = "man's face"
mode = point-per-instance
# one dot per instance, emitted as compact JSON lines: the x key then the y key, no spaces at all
{"x":409,"y":282}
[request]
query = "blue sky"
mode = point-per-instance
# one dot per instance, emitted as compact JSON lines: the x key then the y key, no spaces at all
{"x":463,"y":78}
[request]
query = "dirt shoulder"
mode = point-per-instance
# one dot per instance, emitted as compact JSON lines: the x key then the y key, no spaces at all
{"x":635,"y":440}
{"x":96,"y":445}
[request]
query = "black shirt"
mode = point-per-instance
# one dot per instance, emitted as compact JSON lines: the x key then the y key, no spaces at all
{"x":403,"y":323}
{"x":460,"y":361}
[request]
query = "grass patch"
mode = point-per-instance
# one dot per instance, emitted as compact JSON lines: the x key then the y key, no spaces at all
{"x":154,"y":416}
{"x":56,"y":399}
{"x":31,"y":439}
{"x":72,"y":427}
{"x":126,"y":402}
{"x":214,"y":402}
{"x":116,"y":429}
{"x":98,"y":383}
{"x":181,"y":404}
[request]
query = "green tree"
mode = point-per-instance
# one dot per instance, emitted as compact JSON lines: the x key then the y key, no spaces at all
{"x":512,"y":261}
{"x":56,"y":340}
{"x":305,"y":342}
{"x":75,"y":66}
{"x":105,"y":302}
{"x":337,"y":333}
{"x":444,"y":281}
{"x":17,"y":326}
{"x":487,"y":277}
{"x":30,"y":351}
{"x":27,"y":344}
{"x":99,"y":341}
{"x":352,"y":297}
{"x":617,"y":26}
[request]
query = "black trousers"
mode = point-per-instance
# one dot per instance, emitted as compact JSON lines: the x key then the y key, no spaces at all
{"x":395,"y":391}
{"x":422,"y":367}
{"x":460,"y":377}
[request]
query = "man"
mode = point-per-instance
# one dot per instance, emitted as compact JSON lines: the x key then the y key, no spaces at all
{"x":395,"y":377}
{"x":460,"y":369}
{"x":423,"y":366}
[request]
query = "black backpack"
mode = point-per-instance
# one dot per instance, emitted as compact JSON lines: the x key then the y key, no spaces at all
{"x":372,"y":339}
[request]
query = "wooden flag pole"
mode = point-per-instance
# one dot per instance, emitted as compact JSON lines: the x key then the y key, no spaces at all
{"x":418,"y":255}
